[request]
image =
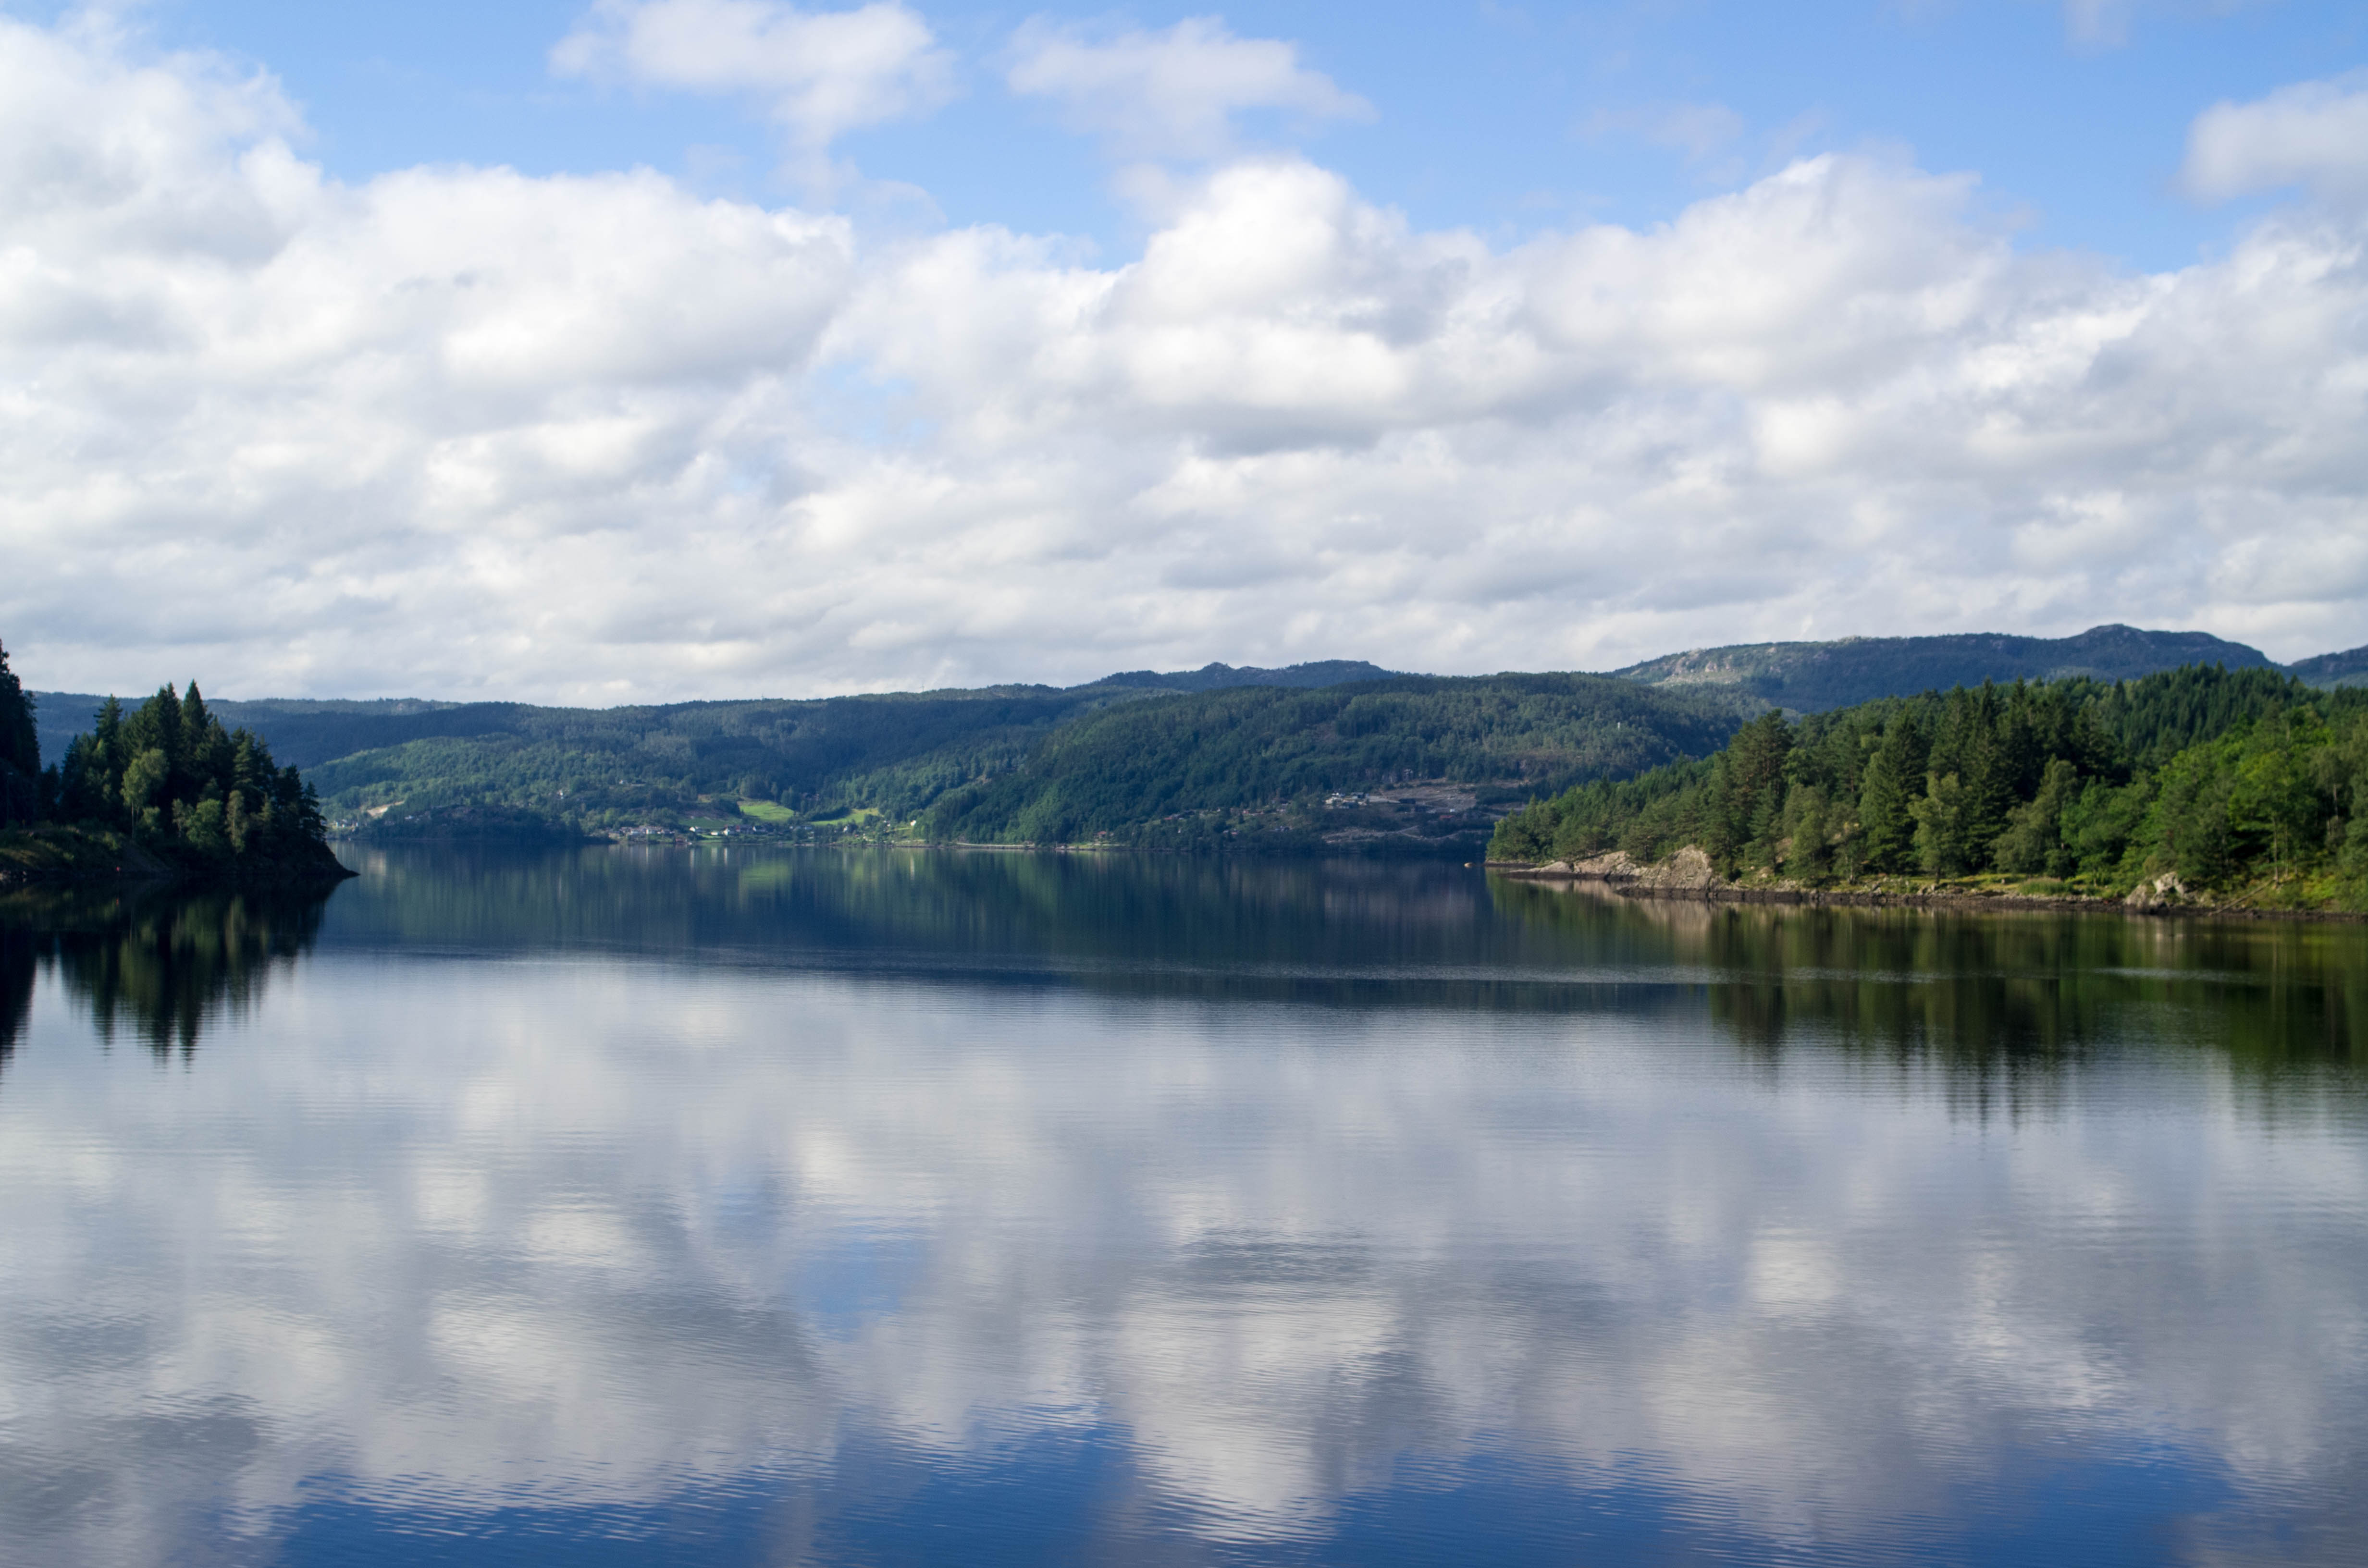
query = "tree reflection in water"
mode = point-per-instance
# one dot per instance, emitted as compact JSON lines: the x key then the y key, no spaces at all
{"x":156,"y":965}
{"x":1999,"y":1000}
{"x":16,"y":966}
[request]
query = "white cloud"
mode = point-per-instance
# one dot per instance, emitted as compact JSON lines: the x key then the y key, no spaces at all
{"x":1172,"y":94}
{"x":2313,"y":134}
{"x":457,"y":430}
{"x":821,"y":73}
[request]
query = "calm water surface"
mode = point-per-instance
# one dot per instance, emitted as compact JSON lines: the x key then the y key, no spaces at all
{"x":883,"y":1207}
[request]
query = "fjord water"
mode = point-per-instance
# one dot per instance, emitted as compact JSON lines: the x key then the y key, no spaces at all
{"x":886,"y":1207}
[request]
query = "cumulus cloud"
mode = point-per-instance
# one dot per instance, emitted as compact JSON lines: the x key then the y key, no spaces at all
{"x":2313,"y":134}
{"x":822,"y":73}
{"x":1172,"y":94}
{"x":457,"y":430}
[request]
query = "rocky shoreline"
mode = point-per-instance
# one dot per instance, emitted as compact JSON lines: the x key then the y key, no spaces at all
{"x":1689,"y":874}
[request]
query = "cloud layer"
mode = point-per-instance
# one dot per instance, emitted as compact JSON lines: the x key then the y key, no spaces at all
{"x":458,"y":430}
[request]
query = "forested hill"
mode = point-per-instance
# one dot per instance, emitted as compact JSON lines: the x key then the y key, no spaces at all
{"x":307,"y":732}
{"x":1214,"y":678}
{"x":1006,"y":765}
{"x":2347,"y":668}
{"x":1029,"y":763}
{"x":2244,"y":785}
{"x":1809,"y":677}
{"x":1175,"y":768}
{"x":311,"y":731}
{"x":889,"y":753}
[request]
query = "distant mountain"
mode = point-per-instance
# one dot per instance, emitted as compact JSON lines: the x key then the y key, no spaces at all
{"x":302,"y":732}
{"x":1140,"y":754}
{"x":1214,"y":676}
{"x":2349,"y":669}
{"x":1196,"y":767}
{"x":305,"y":732}
{"x":1810,"y":677}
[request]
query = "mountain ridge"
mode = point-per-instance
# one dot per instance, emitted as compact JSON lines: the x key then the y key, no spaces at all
{"x":896,"y":756}
{"x":311,"y":731}
{"x":1813,"y":677}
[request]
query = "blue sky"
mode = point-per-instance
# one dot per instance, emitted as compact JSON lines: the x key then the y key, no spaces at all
{"x":627,"y":349}
{"x":1503,"y":118}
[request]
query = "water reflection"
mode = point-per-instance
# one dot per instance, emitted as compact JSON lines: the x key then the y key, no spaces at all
{"x":154,"y":964}
{"x":709,"y":1230}
{"x":17,"y":960}
{"x":2015,"y":988}
{"x":2007,"y":993}
{"x":1358,"y":933}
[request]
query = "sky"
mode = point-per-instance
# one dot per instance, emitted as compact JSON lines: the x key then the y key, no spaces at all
{"x":651,"y":349}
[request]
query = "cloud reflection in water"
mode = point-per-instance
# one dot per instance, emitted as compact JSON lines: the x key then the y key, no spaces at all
{"x":577,"y":1246}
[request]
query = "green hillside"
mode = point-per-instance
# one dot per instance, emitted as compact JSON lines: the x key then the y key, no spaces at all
{"x":2243,"y":784}
{"x":1138,"y":757}
{"x":511,"y":769}
{"x":814,"y":737}
{"x":1809,"y":677}
{"x":603,"y":768}
{"x":1177,"y":767}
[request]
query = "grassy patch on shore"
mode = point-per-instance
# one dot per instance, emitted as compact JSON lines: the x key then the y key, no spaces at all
{"x":54,"y":850}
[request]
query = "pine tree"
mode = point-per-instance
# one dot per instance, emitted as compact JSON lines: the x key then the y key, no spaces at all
{"x":1893,"y":775}
{"x":1751,"y":792}
{"x":20,"y":751}
{"x":1940,"y":838}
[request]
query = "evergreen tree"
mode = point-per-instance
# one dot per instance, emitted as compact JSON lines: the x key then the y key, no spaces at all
{"x":1886,"y":828}
{"x":173,"y":776}
{"x":2033,"y":839}
{"x":2245,"y":780}
{"x":1750,"y":809}
{"x":1808,"y":854}
{"x":93,"y":770}
{"x":20,"y":751}
{"x":1942,"y":819}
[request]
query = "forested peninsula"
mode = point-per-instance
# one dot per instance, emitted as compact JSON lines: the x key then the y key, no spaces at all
{"x":162,"y":791}
{"x":2241,"y":789}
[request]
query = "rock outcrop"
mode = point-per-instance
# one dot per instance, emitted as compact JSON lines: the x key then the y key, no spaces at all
{"x":2162,"y":889}
{"x":1687,"y":870}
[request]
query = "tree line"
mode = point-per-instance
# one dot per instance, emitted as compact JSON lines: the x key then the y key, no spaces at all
{"x":168,"y":775}
{"x":2226,"y":778}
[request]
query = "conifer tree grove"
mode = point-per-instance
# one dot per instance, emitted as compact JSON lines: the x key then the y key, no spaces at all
{"x":2227,"y":779}
{"x":172,"y":777}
